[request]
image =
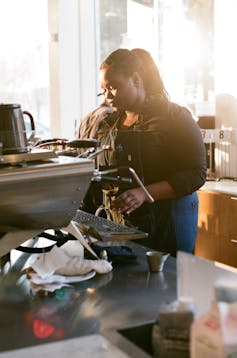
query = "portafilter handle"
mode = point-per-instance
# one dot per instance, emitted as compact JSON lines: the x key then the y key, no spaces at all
{"x":99,"y":151}
{"x":99,"y":175}
{"x":84,"y":143}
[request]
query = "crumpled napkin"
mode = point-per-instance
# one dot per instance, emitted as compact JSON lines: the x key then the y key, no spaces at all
{"x":53,"y":268}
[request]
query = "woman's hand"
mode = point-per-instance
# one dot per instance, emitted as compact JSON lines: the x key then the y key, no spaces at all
{"x":129,"y":201}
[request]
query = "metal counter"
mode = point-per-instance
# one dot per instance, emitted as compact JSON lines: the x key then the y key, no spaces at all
{"x":127,"y":296}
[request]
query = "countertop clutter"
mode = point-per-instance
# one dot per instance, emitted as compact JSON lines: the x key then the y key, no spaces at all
{"x":109,"y":314}
{"x":104,"y":305}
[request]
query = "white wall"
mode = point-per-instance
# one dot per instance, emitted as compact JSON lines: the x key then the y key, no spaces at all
{"x":226,"y":84}
{"x":225,"y":63}
{"x":54,"y":67}
{"x":72,"y":63}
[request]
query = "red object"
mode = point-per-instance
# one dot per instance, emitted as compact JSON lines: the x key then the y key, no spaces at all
{"x":42,"y":329}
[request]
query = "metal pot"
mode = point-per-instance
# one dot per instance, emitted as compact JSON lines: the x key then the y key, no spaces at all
{"x":12,"y":129}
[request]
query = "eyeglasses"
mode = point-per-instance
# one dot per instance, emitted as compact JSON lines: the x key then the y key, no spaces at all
{"x":108,"y":90}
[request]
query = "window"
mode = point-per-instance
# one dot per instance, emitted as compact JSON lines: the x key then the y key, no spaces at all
{"x":179,"y":35}
{"x":125,"y":23}
{"x":24,"y":69}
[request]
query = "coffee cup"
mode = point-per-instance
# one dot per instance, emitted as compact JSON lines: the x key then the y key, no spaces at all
{"x":156,"y":260}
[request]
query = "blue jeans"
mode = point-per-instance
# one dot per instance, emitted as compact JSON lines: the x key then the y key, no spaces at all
{"x":185,"y":221}
{"x":171,"y":224}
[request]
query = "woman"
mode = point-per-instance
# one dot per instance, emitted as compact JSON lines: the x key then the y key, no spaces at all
{"x":171,"y":149}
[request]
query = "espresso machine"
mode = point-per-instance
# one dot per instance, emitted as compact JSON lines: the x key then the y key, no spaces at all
{"x":39,"y":188}
{"x":42,"y":185}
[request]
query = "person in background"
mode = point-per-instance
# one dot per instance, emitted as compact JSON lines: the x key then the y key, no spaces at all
{"x":89,"y":124}
{"x":173,"y":158}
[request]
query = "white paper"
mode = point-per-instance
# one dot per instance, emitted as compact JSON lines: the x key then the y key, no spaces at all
{"x":36,"y":279}
{"x":47,"y":263}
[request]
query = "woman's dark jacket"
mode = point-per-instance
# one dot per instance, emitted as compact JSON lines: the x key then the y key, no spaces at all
{"x":167,"y":140}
